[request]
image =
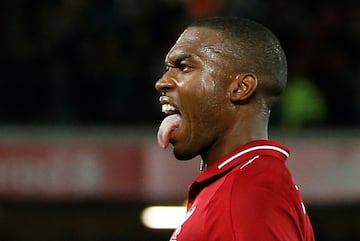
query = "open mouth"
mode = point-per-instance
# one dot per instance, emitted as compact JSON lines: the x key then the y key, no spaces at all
{"x":169,"y":127}
{"x":169,"y":109}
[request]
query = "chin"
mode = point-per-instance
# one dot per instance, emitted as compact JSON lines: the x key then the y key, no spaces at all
{"x":183,"y":155}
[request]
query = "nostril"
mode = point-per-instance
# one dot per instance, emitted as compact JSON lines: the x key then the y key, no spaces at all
{"x":165,"y":89}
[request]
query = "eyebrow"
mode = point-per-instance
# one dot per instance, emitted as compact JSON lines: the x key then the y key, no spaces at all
{"x":179,"y":58}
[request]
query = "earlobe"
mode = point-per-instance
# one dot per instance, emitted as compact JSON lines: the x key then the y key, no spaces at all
{"x":243,"y":86}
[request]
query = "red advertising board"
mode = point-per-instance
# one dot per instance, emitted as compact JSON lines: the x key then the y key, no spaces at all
{"x":326,"y":169}
{"x":70,"y":170}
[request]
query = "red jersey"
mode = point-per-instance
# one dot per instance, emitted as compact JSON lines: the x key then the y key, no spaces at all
{"x":248,"y":195}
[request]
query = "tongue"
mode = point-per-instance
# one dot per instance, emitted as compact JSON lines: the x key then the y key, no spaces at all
{"x":167,"y":128}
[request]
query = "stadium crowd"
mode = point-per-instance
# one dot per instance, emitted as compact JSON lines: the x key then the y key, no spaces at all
{"x":95,"y":62}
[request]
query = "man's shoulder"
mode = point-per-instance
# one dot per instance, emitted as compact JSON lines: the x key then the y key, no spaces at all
{"x":264,"y":173}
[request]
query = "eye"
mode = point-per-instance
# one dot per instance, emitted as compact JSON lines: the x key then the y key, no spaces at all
{"x":184,"y":67}
{"x":181,"y":66}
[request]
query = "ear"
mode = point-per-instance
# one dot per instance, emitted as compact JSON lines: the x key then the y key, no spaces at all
{"x":242,"y":87}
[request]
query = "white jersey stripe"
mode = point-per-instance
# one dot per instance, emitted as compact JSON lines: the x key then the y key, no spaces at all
{"x":265,"y":147}
{"x":250,"y":161}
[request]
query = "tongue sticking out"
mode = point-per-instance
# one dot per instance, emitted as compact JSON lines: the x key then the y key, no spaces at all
{"x":167,"y":128}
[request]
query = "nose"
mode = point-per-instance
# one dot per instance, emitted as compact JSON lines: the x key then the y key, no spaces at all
{"x":164,"y":84}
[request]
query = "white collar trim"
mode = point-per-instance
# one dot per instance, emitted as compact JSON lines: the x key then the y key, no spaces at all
{"x":264,"y":147}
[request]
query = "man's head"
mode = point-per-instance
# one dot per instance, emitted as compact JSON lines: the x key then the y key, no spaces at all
{"x":254,"y":49}
{"x":222,"y":75}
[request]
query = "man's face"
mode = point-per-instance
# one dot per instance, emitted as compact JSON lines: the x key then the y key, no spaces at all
{"x":195,"y":85}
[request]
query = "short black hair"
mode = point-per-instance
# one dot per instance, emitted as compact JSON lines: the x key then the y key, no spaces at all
{"x":255,"y":49}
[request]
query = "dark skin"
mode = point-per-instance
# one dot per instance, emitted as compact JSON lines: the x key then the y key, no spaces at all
{"x":220,"y":106}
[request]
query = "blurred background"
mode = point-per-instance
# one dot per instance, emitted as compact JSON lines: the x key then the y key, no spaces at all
{"x":79,"y":114}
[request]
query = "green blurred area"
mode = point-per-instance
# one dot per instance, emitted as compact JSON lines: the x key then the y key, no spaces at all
{"x":302,"y":104}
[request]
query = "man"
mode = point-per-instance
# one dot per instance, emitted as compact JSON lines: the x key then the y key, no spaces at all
{"x":222,"y":77}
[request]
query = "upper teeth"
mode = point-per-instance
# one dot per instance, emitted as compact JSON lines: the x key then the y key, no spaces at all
{"x":167,"y":108}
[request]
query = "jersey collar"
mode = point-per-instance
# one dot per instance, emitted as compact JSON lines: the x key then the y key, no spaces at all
{"x":244,"y":154}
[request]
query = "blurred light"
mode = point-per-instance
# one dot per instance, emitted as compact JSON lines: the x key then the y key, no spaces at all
{"x":163,"y":217}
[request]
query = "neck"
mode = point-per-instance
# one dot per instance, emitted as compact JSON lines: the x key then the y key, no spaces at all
{"x":243,"y":131}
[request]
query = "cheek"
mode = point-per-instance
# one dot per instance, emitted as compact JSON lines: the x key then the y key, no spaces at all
{"x":203,"y":96}
{"x":207,"y":109}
